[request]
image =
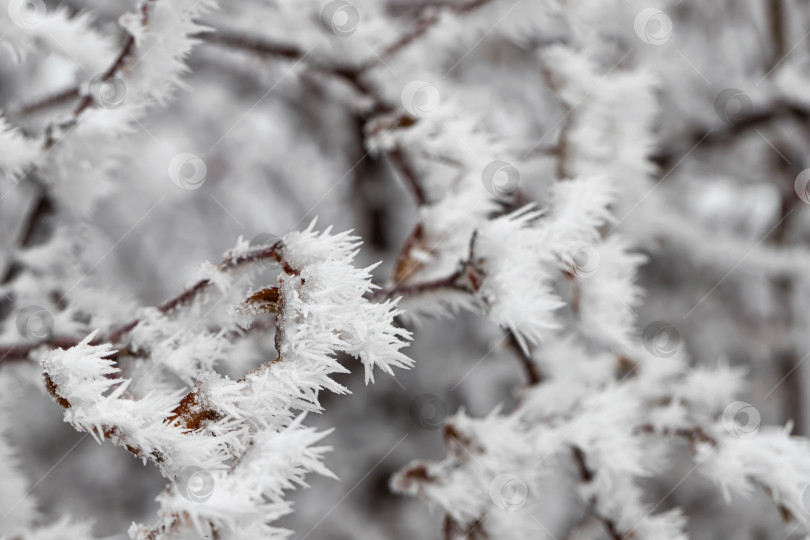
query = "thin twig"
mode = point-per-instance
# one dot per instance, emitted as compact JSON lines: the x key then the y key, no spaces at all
{"x":49,"y":102}
{"x":20,"y":351}
{"x":533,"y":374}
{"x":707,"y":138}
{"x":405,"y":168}
{"x":409,"y":289}
{"x":40,"y":210}
{"x":262,"y":47}
{"x":427,"y":18}
{"x":587,"y":476}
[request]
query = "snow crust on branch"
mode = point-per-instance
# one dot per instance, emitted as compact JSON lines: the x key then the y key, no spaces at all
{"x":244,"y":437}
{"x":611,"y":406}
{"x":171,"y":383}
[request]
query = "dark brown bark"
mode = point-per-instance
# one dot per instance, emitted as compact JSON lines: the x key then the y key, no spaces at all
{"x":406,"y":170}
{"x":532,"y":370}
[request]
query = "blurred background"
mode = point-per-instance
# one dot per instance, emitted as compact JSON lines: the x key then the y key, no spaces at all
{"x":283,"y":142}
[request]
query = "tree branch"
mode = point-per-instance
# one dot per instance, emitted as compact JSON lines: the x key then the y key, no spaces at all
{"x":587,"y":476}
{"x":41,"y":209}
{"x":20,"y":351}
{"x":668,"y":158}
{"x":49,"y":102}
{"x":533,"y":374}
{"x":403,"y":165}
{"x":426,"y":19}
{"x":410,"y":289}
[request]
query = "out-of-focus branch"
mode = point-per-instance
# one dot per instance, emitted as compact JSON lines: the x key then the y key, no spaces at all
{"x":43,"y":206}
{"x":453,"y":530}
{"x":787,"y":358}
{"x":40,"y":210}
{"x":353,"y":76}
{"x":707,"y":138}
{"x":776,"y":16}
{"x":127,"y":50}
{"x":20,"y":351}
{"x":533,"y":374}
{"x":587,"y":476}
{"x":693,"y":435}
{"x":426,"y":19}
{"x":535,"y":377}
{"x":263,"y":47}
{"x":232,"y":40}
{"x":49,"y":102}
{"x":697,"y":434}
{"x":404,"y":166}
{"x":87,"y":101}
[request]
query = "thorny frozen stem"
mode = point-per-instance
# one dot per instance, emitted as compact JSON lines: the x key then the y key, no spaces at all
{"x":21,"y":351}
{"x":189,"y":295}
{"x":191,"y":411}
